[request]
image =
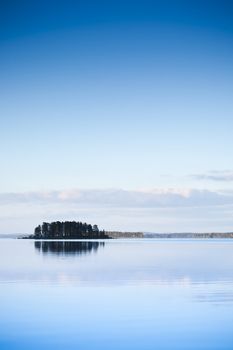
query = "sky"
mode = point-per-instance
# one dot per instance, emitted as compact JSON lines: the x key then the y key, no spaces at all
{"x":118,"y":113}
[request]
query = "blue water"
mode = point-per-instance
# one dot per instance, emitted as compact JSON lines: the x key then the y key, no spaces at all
{"x":117,"y":294}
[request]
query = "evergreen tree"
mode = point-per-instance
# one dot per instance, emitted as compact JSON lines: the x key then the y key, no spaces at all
{"x":68,"y":230}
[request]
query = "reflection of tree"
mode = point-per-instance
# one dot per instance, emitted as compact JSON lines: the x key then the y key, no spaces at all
{"x":67,"y":248}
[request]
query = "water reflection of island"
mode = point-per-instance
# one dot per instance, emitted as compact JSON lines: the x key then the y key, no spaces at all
{"x":67,"y":248}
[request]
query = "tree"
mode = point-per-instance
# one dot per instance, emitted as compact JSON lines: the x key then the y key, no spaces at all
{"x":95,"y":228}
{"x":37,"y":232}
{"x":45,"y":229}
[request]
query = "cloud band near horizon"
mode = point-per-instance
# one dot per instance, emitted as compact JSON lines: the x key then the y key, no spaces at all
{"x":157,"y":210}
{"x":155,"y":198}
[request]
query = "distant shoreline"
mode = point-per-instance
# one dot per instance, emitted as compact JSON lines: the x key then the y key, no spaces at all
{"x":204,"y":235}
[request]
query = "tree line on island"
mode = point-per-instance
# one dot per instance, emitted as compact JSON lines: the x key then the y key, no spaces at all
{"x":68,"y":230}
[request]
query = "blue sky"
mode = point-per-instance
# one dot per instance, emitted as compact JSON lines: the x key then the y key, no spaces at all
{"x":116,"y":96}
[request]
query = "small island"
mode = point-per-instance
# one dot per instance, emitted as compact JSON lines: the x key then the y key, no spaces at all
{"x":67,"y":230}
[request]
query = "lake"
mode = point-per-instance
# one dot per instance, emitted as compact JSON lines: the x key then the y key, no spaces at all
{"x":116,"y":294}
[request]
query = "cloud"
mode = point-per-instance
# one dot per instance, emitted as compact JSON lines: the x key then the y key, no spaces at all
{"x":155,"y":210}
{"x":119,"y":198}
{"x":215,"y":175}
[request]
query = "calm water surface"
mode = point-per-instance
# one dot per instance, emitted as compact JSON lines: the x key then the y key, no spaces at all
{"x":117,"y":294}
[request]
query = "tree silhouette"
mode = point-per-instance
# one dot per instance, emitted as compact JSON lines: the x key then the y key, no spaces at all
{"x":68,"y":230}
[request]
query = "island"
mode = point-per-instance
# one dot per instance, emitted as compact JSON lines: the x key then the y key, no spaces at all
{"x":67,"y":230}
